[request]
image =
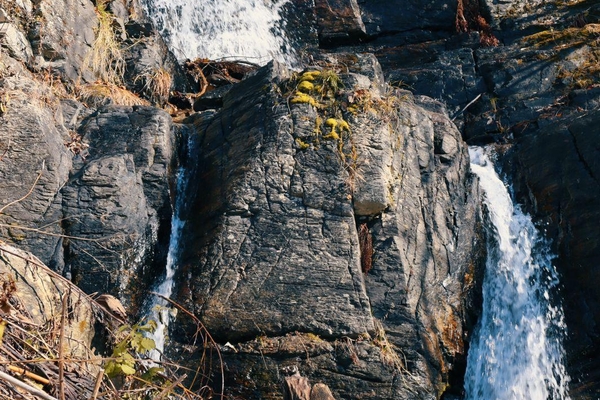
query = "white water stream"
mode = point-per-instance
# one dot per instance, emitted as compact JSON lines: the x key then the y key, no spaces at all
{"x":250,"y":30}
{"x":516,"y":352}
{"x":158,"y":309}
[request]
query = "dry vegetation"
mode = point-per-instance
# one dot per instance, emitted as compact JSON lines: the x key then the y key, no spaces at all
{"x":100,"y":93}
{"x":469,"y":19}
{"x":105,"y":59}
{"x":40,"y":364}
{"x":581,"y":45}
{"x":156,"y":84}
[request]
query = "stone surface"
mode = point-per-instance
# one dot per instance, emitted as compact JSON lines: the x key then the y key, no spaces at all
{"x":270,"y":242}
{"x":383,"y":17}
{"x":117,"y":199}
{"x":15,"y":42}
{"x":34,"y":166}
{"x":151,"y":69}
{"x":271,"y":234}
{"x":62,"y":36}
{"x":247,"y":282}
{"x":339,"y":21}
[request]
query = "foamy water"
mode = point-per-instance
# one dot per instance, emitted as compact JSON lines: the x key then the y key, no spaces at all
{"x":250,"y":30}
{"x":516,"y":352}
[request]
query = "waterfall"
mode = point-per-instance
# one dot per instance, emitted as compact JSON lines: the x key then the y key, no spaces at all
{"x":516,"y":352}
{"x":250,"y":30}
{"x":158,"y":309}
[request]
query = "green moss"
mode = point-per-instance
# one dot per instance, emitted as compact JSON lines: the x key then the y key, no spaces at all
{"x":300,"y":98}
{"x":306,"y":87}
{"x":302,"y":144}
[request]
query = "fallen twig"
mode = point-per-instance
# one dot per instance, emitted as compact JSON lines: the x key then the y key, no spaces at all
{"x":26,"y":387}
{"x":29,"y":374}
{"x":97,"y":385}
{"x":61,"y":361}
{"x":171,"y":387}
{"x":467,"y":106}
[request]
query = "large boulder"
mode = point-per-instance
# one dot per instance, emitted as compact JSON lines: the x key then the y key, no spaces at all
{"x":117,"y":202}
{"x":35,"y":164}
{"x":279,"y":211}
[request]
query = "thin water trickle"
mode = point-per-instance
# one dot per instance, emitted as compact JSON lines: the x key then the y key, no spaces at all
{"x":516,"y":352}
{"x":158,"y":309}
{"x":249,"y":30}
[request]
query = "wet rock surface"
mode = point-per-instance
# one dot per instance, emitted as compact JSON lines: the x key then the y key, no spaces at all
{"x":118,"y":197}
{"x":536,"y":93}
{"x":277,"y":257}
{"x":278,"y":249}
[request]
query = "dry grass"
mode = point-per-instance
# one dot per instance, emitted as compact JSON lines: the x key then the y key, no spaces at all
{"x":98,"y":94}
{"x":105,"y":59}
{"x":47,"y":359}
{"x":156,"y":84}
{"x":569,"y":37}
{"x":585,"y":75}
{"x":585,"y":40}
{"x":389,"y":353}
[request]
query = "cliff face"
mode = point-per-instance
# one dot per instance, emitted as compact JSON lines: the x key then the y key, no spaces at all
{"x":522,"y":75}
{"x":336,"y":231}
{"x":281,"y":200}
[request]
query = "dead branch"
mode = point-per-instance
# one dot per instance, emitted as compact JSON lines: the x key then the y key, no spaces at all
{"x":28,"y":374}
{"x":61,"y":361}
{"x":171,"y":387}
{"x":97,"y":385}
{"x":26,"y":387}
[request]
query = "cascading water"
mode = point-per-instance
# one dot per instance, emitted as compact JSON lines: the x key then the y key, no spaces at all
{"x":158,"y":309}
{"x":250,"y":30}
{"x":516,"y":352}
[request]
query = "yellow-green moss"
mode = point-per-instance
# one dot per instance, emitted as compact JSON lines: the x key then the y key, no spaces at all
{"x":318,"y":122}
{"x":302,"y":144}
{"x":300,"y":98}
{"x":305,"y":86}
{"x":310,"y":75}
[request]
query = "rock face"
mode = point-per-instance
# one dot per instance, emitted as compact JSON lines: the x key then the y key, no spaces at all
{"x":271,"y":240}
{"x":35,"y":166}
{"x":122,"y":183}
{"x":536,"y":94}
{"x":352,"y":252}
{"x":91,"y":198}
{"x":63,"y":35}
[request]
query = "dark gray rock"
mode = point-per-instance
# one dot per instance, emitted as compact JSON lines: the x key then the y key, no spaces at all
{"x":383,"y":17}
{"x":34,"y":167}
{"x":339,"y":21}
{"x":118,"y":197}
{"x":271,"y":245}
{"x":62,"y":36}
{"x":151,"y":69}
{"x":449,"y":76}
